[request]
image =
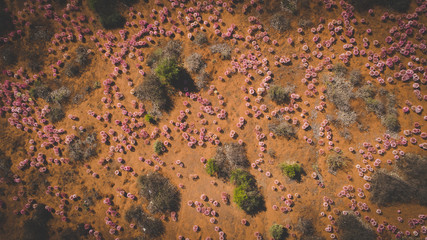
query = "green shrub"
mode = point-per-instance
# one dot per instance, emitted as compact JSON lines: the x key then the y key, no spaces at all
{"x":246,"y":194}
{"x":149,"y":119}
{"x":278,"y":232}
{"x":241,"y":177}
{"x":158,"y":147}
{"x":293,"y":170}
{"x":167,"y":71}
{"x":211,"y":167}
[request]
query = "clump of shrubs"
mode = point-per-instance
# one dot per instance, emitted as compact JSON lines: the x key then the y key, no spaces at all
{"x":280,"y":94}
{"x":229,"y":157}
{"x":83,"y":147}
{"x":109,"y":17}
{"x":40,"y":90}
{"x":351,"y":227}
{"x":388,"y":188}
{"x":336,"y":161}
{"x":59,"y":95}
{"x":355,"y":77}
{"x":150,"y":225}
{"x":383,"y":106}
{"x":158,"y":147}
{"x":278,"y":232}
{"x":291,"y":170}
{"x":223,"y":48}
{"x":246,"y":194}
{"x":151,"y":89}
{"x":159,"y":192}
{"x":5,"y":164}
{"x":413,"y":168}
{"x":280,"y":22}
{"x":283,"y":129}
{"x":36,"y":227}
{"x":194,"y":63}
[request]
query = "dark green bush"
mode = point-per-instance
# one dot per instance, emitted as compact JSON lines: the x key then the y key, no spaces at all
{"x":149,"y":119}
{"x":158,"y":147}
{"x":278,"y":232}
{"x":159,"y":192}
{"x":168,"y":71}
{"x":292,"y":170}
{"x":246,"y":194}
{"x":211,"y":167}
{"x":108,"y":13}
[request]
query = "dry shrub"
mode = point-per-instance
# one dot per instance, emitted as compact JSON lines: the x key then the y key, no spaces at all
{"x":76,"y":66}
{"x":350,"y":227}
{"x":194,"y":63}
{"x":160,"y":193}
{"x":355,"y":77}
{"x":306,"y":227}
{"x":280,"y":94}
{"x":202,"y":80}
{"x":56,"y":113}
{"x":60,"y":95}
{"x":151,"y":226}
{"x":229,"y":157}
{"x":280,"y":22}
{"x":336,"y":161}
{"x":223,"y":48}
{"x":81,"y":150}
{"x":283,"y":129}
{"x":200,"y":39}
{"x":413,"y":168}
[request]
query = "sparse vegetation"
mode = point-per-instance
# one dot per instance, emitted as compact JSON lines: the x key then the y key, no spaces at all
{"x":278,"y":232}
{"x":291,"y":170}
{"x":283,"y":129}
{"x":351,"y":227}
{"x":150,"y":225}
{"x":161,"y":195}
